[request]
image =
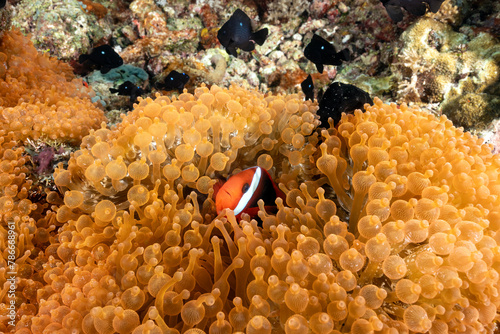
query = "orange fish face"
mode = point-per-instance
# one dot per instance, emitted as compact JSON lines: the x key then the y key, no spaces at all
{"x":234,"y":189}
{"x":242,"y":191}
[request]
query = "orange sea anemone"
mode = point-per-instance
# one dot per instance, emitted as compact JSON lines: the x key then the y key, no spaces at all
{"x":389,"y":224}
{"x":39,"y":95}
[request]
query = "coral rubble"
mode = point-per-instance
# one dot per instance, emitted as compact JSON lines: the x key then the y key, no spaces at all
{"x":390,"y":226}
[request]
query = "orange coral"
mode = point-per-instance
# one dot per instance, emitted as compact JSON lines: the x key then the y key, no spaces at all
{"x":142,"y":250}
{"x":39,"y":96}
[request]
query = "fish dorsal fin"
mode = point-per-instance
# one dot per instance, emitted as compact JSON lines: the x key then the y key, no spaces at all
{"x":319,"y":39}
{"x":247,"y":196}
{"x":241,"y":18}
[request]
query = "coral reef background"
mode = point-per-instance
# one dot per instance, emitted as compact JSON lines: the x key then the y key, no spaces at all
{"x":391,"y":221}
{"x":451,"y":68}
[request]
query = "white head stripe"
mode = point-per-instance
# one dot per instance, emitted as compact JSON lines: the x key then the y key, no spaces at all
{"x":248,"y":195}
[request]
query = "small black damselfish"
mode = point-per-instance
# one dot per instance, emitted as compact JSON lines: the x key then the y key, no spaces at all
{"x":237,"y":33}
{"x":339,"y":98}
{"x":321,"y":52}
{"x":128,"y":89}
{"x":103,"y":57}
{"x":174,"y":80}
{"x":415,"y":7}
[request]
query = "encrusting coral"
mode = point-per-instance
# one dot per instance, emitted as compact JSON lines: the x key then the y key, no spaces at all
{"x":457,"y":70}
{"x":389,"y":225}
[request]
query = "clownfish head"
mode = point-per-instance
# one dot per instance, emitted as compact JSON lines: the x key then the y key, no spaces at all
{"x":242,"y":191}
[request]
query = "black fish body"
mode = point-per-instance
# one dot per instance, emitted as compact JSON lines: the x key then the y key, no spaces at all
{"x":339,"y":98}
{"x":237,"y":33}
{"x":393,"y":8}
{"x":414,"y":7}
{"x":417,"y":8}
{"x":104,"y":57}
{"x":308,"y":88}
{"x":128,"y":89}
{"x":321,"y":52}
{"x":175,"y":80}
{"x":434,"y":5}
{"x":3,"y":3}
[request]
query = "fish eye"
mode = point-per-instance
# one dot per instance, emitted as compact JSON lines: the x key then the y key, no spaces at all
{"x":245,"y":188}
{"x":171,"y":78}
{"x":309,"y":86}
{"x":322,"y":47}
{"x":102,"y":52}
{"x":241,"y":24}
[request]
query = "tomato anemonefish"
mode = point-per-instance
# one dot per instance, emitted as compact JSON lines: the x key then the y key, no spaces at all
{"x":242,"y":191}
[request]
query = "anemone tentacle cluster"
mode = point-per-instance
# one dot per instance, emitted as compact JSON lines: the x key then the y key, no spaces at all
{"x":40,"y":97}
{"x":390,"y":224}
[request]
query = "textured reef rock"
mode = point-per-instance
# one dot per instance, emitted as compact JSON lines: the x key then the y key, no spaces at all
{"x":439,"y":65}
{"x":5,"y":18}
{"x":62,"y":26}
{"x":101,"y":83}
{"x":160,"y":32}
{"x":390,"y":222}
{"x":473,"y":110}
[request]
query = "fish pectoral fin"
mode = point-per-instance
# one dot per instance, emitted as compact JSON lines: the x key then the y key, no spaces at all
{"x":253,"y":211}
{"x":395,"y":13}
{"x":232,"y":51}
{"x":248,"y":46}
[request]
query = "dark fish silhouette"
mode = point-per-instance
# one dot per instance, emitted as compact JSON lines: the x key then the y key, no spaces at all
{"x":237,"y":33}
{"x":340,"y":98}
{"x":320,"y":52}
{"x":103,"y":57}
{"x":128,"y":89}
{"x":174,"y":80}
{"x":308,"y":88}
{"x":415,"y":7}
{"x":3,"y":3}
